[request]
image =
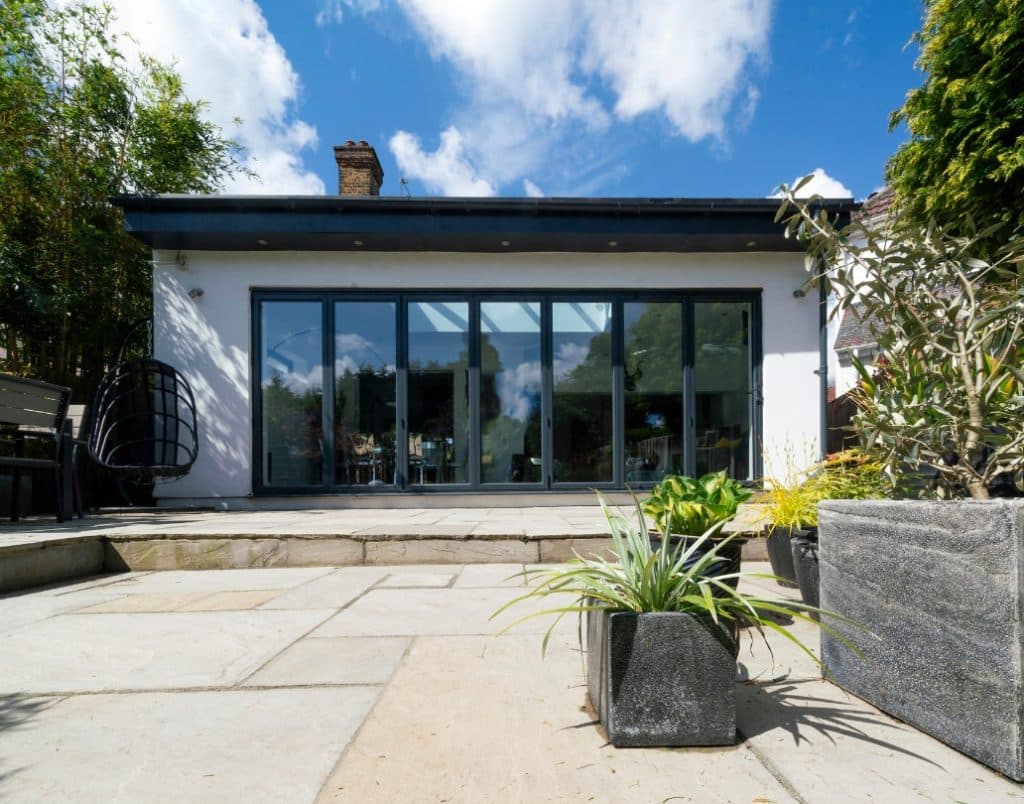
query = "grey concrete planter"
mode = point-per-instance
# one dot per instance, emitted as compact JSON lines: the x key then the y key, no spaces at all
{"x":661,"y":679}
{"x":939,"y":583}
{"x":780,"y":554}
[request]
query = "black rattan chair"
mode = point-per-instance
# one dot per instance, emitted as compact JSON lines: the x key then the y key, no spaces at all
{"x":144,"y":422}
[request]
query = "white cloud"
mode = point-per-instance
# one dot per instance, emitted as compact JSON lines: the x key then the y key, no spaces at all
{"x":820,"y":184}
{"x":538,"y":75}
{"x":333,"y":11}
{"x":227,"y":55}
{"x":685,"y":60}
{"x":532,"y":190}
{"x":445,"y":171}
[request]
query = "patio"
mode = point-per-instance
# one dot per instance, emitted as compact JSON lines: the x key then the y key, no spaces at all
{"x":39,"y":550}
{"x":386,"y":683}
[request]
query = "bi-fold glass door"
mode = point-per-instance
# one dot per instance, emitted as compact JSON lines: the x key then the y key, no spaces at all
{"x":391,"y":391}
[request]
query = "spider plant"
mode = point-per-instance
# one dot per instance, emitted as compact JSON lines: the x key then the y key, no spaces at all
{"x":642,"y":578}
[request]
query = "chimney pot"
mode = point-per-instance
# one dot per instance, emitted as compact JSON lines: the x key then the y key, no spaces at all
{"x":359,"y":170}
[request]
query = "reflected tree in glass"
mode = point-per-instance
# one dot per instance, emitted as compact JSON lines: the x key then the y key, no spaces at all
{"x":291,"y":355}
{"x":365,"y":377}
{"x":581,"y":342}
{"x":510,"y":392}
{"x":722,"y":373}
{"x":653,"y":380}
{"x":438,"y":392}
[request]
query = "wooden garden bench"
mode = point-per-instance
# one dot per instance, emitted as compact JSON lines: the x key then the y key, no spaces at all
{"x":35,"y":412}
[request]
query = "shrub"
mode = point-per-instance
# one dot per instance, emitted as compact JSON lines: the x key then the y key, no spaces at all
{"x":947,"y":403}
{"x":691,"y":507}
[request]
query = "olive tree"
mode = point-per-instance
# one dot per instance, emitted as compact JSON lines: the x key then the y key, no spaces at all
{"x":946,"y":401}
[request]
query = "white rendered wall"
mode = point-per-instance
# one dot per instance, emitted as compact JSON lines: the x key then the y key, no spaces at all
{"x":209,"y":339}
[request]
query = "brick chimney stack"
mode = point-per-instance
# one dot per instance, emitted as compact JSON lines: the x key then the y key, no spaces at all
{"x":359,"y":170}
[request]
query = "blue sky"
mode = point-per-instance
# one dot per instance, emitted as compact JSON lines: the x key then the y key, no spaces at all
{"x":561,"y":97}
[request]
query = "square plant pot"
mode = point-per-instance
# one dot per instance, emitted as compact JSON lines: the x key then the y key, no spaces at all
{"x":939,"y":584}
{"x":661,"y":679}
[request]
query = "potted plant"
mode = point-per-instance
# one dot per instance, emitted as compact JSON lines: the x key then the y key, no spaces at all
{"x":846,"y":475}
{"x":791,"y":509}
{"x":688,"y":508}
{"x":660,"y":643}
{"x":935,"y":573}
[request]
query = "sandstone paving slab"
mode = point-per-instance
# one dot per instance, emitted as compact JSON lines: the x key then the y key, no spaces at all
{"x":330,"y":591}
{"x":151,"y":602}
{"x":338,"y":660}
{"x":501,"y":724}
{"x":221,"y":580}
{"x":232,"y":601}
{"x":486,"y":575}
{"x":232,"y":746}
{"x":138,"y":651}
{"x":29,"y":607}
{"x":450,"y":551}
{"x":832,"y":748}
{"x":417,"y":579}
{"x":419,"y":612}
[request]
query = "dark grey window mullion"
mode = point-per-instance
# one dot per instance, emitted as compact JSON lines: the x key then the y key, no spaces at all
{"x":256,"y":390}
{"x":474,"y":392}
{"x":401,"y":395}
{"x":618,"y":395}
{"x":547,"y":391}
{"x":757,"y":389}
{"x":327,"y":437}
{"x":689,"y":390}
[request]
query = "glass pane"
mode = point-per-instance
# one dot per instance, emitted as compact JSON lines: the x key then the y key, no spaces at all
{"x":510,"y":392}
{"x":438,"y":392}
{"x":653,"y":376}
{"x":722,"y":371}
{"x":581,"y":350}
{"x":364,"y":393}
{"x":291,"y":357}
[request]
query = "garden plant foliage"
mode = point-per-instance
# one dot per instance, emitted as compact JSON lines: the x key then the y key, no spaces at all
{"x":966,"y":151}
{"x":77,"y":126}
{"x":944,"y":406}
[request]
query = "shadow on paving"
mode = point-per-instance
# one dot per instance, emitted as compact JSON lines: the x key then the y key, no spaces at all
{"x":16,"y":710}
{"x":780,"y":705}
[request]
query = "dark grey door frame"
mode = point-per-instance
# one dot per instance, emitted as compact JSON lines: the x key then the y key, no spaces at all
{"x":546,"y":297}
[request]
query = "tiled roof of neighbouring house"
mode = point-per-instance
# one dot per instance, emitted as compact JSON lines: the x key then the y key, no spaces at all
{"x":855,"y":329}
{"x":876,"y":206}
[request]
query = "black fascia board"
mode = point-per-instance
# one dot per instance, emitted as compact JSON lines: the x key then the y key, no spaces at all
{"x":333,"y":223}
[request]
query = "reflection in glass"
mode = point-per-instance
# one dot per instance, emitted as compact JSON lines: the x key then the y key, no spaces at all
{"x":510,"y":392}
{"x":365,"y":361}
{"x":291,"y":355}
{"x":438,"y":390}
{"x":722,"y":373}
{"x":581,"y":342}
{"x":653,"y":374}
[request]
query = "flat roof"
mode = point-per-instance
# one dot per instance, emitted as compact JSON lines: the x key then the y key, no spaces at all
{"x":389,"y":223}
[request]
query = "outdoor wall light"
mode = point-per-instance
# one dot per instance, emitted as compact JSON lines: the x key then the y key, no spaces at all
{"x":357,"y":242}
{"x":613,"y":243}
{"x":262,"y":243}
{"x":506,"y":243}
{"x":196,"y":294}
